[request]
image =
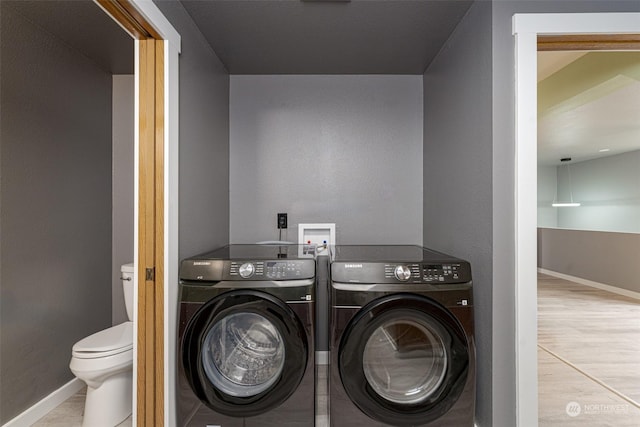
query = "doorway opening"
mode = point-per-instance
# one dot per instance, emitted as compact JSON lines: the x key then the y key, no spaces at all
{"x":589,"y":154}
{"x":527,"y":28}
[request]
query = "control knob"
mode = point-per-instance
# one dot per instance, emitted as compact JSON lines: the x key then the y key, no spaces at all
{"x":402,"y":273}
{"x":246,"y":270}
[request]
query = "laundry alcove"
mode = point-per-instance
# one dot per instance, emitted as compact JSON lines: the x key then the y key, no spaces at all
{"x":372,"y":115}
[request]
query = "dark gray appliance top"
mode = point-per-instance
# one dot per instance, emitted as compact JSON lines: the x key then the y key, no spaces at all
{"x":252,"y":252}
{"x":388,"y":253}
{"x":396,"y":264}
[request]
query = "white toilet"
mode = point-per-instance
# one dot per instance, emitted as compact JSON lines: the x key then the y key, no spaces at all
{"x":104,"y":361}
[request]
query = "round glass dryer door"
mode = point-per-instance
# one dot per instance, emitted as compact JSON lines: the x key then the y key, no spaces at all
{"x":244,"y":352}
{"x":404,"y":359}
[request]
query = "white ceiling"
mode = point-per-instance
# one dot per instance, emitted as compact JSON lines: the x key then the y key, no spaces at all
{"x":603,"y":116}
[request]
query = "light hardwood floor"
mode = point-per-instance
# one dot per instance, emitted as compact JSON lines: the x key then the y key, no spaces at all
{"x":588,"y":356}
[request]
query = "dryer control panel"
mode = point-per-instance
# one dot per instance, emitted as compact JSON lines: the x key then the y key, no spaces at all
{"x":374,"y":272}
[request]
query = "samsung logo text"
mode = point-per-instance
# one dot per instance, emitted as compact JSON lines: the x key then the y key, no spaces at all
{"x":353,"y":266}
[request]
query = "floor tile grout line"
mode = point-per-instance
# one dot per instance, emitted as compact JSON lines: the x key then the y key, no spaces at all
{"x":592,"y":378}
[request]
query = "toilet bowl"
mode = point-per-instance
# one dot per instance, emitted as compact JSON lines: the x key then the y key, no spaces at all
{"x":104,"y":361}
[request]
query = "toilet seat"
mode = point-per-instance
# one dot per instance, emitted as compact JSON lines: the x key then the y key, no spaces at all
{"x":109,"y":342}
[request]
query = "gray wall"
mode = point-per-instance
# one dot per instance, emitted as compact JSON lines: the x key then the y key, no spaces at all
{"x":504,"y":391}
{"x":609,"y":258}
{"x":55,"y":196}
{"x":608,"y":190}
{"x":204,"y":155}
{"x":341,"y":149}
{"x":457,"y":171}
{"x":123,"y":187}
{"x":204,"y":138}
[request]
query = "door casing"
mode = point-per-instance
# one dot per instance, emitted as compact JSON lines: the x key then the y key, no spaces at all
{"x":157,"y":46}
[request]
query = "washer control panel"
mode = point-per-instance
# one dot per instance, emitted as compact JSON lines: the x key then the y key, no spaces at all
{"x":217,"y":270}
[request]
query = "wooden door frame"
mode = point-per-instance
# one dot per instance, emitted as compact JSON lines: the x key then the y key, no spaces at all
{"x":157,"y":46}
{"x":526,"y":30}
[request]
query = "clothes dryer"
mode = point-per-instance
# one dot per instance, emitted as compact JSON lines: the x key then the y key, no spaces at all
{"x":401,"y":338}
{"x":245,"y":351}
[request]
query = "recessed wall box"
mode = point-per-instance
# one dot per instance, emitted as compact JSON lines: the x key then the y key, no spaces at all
{"x":316,"y":239}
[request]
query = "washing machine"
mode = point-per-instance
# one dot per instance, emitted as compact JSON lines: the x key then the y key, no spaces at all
{"x":245,"y":348}
{"x":402,"y":349}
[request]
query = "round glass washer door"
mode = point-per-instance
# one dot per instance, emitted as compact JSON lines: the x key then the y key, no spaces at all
{"x":243,"y":354}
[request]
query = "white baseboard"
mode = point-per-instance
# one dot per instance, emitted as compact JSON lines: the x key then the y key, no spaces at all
{"x":46,"y":405}
{"x":602,"y":286}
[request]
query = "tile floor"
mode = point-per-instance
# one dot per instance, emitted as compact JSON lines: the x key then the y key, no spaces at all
{"x":322,"y":396}
{"x":69,"y":413}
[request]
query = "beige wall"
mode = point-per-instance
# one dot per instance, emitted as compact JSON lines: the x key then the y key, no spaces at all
{"x":609,"y":258}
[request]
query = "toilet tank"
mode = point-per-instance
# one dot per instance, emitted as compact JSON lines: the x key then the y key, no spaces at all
{"x":128,"y":287}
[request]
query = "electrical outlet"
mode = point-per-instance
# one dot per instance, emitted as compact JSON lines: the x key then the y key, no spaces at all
{"x":282,"y":220}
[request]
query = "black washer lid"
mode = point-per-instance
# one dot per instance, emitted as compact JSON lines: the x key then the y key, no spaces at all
{"x":252,"y":252}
